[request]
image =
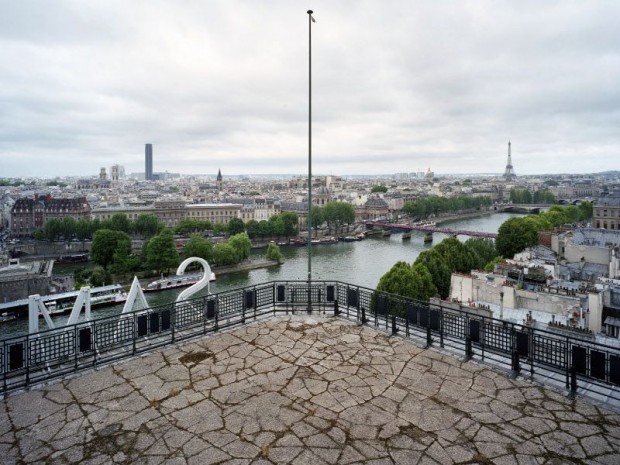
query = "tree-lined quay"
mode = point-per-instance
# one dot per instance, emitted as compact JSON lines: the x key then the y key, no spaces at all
{"x":430,"y":274}
{"x":113,"y":259}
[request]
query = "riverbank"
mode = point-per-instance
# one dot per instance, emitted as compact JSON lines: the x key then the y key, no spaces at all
{"x":246,"y":265}
{"x":464,"y":216}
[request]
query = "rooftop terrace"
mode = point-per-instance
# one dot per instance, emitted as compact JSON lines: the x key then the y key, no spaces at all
{"x":303,"y":390}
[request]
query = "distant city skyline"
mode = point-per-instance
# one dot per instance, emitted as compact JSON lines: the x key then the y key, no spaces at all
{"x":397,"y":87}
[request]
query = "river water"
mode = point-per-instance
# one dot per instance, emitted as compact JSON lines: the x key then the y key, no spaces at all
{"x":361,"y":263}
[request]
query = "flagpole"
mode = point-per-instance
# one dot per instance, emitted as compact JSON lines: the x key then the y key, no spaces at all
{"x":310,"y":20}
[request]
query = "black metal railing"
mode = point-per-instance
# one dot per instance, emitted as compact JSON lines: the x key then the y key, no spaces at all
{"x":576,"y":363}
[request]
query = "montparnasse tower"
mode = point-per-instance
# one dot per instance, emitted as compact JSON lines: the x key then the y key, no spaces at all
{"x":509,"y":174}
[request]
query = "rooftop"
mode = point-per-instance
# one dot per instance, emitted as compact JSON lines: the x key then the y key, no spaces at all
{"x":302,"y":390}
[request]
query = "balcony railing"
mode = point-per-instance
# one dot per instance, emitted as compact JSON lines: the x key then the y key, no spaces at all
{"x":577,"y":363}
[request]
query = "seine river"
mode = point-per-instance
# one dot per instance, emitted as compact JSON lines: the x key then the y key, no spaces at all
{"x":362,"y":263}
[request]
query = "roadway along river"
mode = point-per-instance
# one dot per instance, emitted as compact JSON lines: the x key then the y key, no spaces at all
{"x":362,"y":263}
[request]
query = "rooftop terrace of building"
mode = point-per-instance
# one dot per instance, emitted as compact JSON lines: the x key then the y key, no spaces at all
{"x":303,"y":390}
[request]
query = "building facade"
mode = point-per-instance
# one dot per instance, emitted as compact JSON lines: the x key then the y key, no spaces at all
{"x":171,"y":212}
{"x":606,"y":211}
{"x":28,"y":214}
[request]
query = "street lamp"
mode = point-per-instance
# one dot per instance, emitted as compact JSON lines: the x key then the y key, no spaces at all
{"x":309,"y":244}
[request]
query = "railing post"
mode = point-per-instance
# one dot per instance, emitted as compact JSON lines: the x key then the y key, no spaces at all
{"x":336,"y":309}
{"x":468,"y":348}
{"x":27,"y":359}
{"x":94,"y":326}
{"x":532,"y":352}
{"x":5,"y":366}
{"x":440,"y":325}
{"x":363,"y":315}
{"x":429,"y":339}
{"x":173,"y":322}
{"x":573,"y":383}
{"x":394,"y":328}
{"x":217,"y":315}
{"x":75,"y":346}
{"x":204,"y":315}
{"x":516,"y":364}
{"x":407,"y":319}
{"x":482,"y":336}
{"x":133,"y":332}
{"x":567,"y":362}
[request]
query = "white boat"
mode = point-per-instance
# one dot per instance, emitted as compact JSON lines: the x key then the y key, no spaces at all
{"x":4,"y":317}
{"x":99,"y":297}
{"x":172,"y":282}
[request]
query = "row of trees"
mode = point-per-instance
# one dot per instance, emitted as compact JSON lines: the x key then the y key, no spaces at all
{"x":282,"y":224}
{"x":525,"y":196}
{"x":147,"y":225}
{"x":423,"y":208}
{"x":68,"y":228}
{"x":334,"y":214}
{"x":430,"y":274}
{"x":112,"y":251}
{"x":519,"y":233}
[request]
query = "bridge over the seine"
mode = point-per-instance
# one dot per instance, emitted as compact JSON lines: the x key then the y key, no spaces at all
{"x":431,"y":229}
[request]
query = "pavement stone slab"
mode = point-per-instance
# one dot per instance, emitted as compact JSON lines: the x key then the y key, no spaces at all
{"x":303,"y":389}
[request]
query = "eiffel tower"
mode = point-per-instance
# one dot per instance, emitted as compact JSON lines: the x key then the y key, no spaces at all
{"x":509,"y":174}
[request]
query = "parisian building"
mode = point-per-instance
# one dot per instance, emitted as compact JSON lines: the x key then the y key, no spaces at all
{"x":29,"y":214}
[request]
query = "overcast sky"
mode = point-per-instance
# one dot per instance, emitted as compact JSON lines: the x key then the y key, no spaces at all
{"x":398,"y":86}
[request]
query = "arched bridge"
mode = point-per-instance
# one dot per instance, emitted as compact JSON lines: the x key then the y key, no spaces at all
{"x":431,"y":229}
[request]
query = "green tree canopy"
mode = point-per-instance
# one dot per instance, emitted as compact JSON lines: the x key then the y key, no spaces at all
{"x":191,"y":225}
{"x":316,"y":216}
{"x":224,"y":254}
{"x":514,"y":236}
{"x":273,"y":252}
{"x":263,"y":228}
{"x":242,"y":245}
{"x":99,"y":276}
{"x":484,"y":249}
{"x":68,"y":227}
{"x":457,"y":255}
{"x":585,"y":210}
{"x":146,"y":225}
{"x":122,"y":262}
{"x":337,"y":214}
{"x":251,"y":227}
{"x":290,"y":221}
{"x":106,"y":243}
{"x":38,"y":234}
{"x":83,"y":229}
{"x":438,"y":268}
{"x":408,"y":280}
{"x":161,"y":252}
{"x":52,"y":229}
{"x":198,"y":246}
{"x":424,"y":207}
{"x":236,"y":226}
{"x":276,"y":226}
{"x":120,"y":222}
{"x":378,"y":188}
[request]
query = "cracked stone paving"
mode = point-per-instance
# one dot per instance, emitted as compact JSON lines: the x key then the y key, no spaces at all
{"x":302,"y":390}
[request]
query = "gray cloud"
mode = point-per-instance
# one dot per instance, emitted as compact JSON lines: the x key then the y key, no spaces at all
{"x":397,"y":86}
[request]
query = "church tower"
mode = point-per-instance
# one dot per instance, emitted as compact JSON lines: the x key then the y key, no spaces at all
{"x":219,"y":180}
